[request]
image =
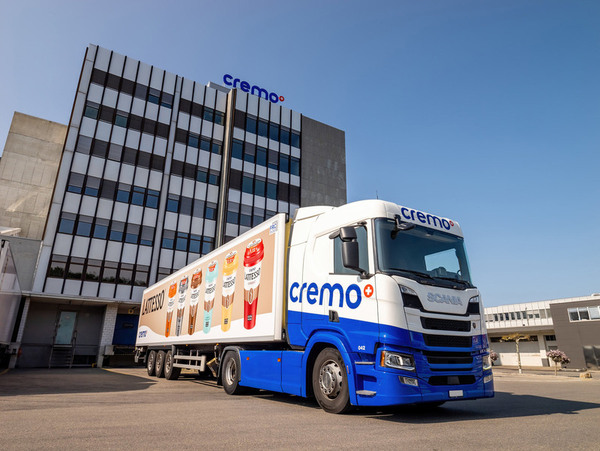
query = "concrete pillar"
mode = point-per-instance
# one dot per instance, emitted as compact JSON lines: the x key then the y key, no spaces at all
{"x":17,"y":344}
{"x":108,"y":330}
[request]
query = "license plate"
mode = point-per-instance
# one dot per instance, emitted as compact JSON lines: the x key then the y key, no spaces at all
{"x":455,"y":393}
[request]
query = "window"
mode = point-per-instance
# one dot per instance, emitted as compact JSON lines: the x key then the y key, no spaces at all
{"x":219,"y":118}
{"x":295,"y":141}
{"x":195,"y":244}
{"x":115,"y":152}
{"x":211,"y":210}
{"x":237,"y":150}
{"x":182,"y":241}
{"x":91,"y":110}
{"x":363,"y":253}
{"x":272,"y":190}
{"x":123,"y":192}
{"x":284,"y":163}
{"x":208,"y":244}
{"x":154,"y":96}
{"x":284,"y":137}
{"x":205,"y":144}
{"x":141,"y":275}
{"x":147,"y":236}
{"x":193,"y":140}
{"x":152,"y":198}
{"x":92,"y":186}
{"x":213,"y":178}
{"x":216,"y":148}
{"x":259,"y":187}
{"x":295,"y":166}
{"x":594,"y":312}
{"x":202,"y":175}
{"x":67,"y":223}
{"x":198,"y":209}
{"x":550,"y":337}
{"x":261,"y":156}
{"x":133,"y":233}
{"x":57,"y":266}
{"x":173,"y":203}
{"x":75,"y":184}
{"x":185,"y":205}
{"x":168,"y":239}
{"x":273,"y":159}
{"x":75,"y":268}
{"x":137,"y":195}
{"x":209,"y":114}
{"x":166,"y":100}
{"x":92,"y":270}
{"x":108,"y":189}
{"x":263,"y":128}
{"x":249,"y":153}
{"x":130,"y":155}
{"x":99,"y":148}
{"x":84,"y":226}
{"x":247,"y":184}
{"x":274,"y":132}
{"x":250,"y":124}
{"x":109,"y":273}
{"x":121,"y":119}
{"x":125,"y":274}
{"x":84,"y":144}
{"x":116,"y":231}
{"x":101,"y":228}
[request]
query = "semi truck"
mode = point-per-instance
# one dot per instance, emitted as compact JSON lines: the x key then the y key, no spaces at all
{"x":367,"y":304}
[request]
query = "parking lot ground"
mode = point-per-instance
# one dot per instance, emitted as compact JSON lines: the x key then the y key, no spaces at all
{"x":125,"y":409}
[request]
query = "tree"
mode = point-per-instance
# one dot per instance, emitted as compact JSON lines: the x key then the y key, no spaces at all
{"x":557,"y":357}
{"x":516,"y":337}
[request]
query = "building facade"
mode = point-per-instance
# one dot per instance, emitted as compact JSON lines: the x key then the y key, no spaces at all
{"x":571,"y":325}
{"x":156,"y":171}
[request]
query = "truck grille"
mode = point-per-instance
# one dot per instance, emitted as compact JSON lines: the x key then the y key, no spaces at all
{"x":448,"y":358}
{"x":445,"y":324}
{"x":462,"y":379}
{"x":447,"y":341}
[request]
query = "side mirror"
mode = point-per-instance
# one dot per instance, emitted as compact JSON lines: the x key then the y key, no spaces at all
{"x":350,"y":250}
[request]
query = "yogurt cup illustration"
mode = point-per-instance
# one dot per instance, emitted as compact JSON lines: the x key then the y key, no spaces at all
{"x":170,"y":307}
{"x":229,"y":273}
{"x":183,"y":286}
{"x":255,"y":251}
{"x":194,"y":300}
{"x":209,"y":293}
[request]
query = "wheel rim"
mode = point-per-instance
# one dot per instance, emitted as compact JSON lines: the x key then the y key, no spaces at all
{"x":151,"y":361}
{"x":330,"y":379}
{"x":168,"y":363}
{"x":231,"y":372}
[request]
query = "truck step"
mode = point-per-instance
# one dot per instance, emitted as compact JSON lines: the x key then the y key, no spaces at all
{"x":366,"y":393}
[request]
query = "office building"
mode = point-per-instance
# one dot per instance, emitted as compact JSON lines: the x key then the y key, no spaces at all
{"x":156,"y":171}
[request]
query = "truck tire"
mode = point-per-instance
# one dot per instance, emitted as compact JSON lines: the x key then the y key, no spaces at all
{"x":151,"y":363}
{"x":330,"y":381}
{"x":160,"y":364}
{"x":171,"y":373}
{"x":230,"y":375}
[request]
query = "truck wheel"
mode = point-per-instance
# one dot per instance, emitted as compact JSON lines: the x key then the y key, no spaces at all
{"x":230,"y":375}
{"x":171,"y":373}
{"x":150,"y":363}
{"x":160,"y":364}
{"x":330,"y":382}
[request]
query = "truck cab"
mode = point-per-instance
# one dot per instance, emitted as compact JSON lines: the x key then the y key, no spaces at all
{"x":389,"y":289}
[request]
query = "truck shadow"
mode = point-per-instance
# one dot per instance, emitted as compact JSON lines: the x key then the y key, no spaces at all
{"x":503,"y":405}
{"x":38,"y":381}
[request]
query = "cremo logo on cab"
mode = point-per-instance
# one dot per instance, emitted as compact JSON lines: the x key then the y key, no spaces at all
{"x":256,"y":90}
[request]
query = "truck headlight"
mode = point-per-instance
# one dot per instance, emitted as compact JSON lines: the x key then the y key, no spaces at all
{"x":487,"y":362}
{"x":397,"y":360}
{"x":473,"y":307}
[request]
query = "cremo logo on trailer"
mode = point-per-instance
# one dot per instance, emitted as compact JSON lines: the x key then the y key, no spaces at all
{"x":313,"y":294}
{"x":254,"y":89}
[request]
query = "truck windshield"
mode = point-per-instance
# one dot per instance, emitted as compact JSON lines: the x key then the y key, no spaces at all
{"x":428,"y":256}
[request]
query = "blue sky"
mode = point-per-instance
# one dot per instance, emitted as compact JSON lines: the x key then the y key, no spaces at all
{"x":487,"y":112}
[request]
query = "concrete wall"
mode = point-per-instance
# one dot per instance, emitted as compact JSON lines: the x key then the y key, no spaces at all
{"x":28,"y":171}
{"x":577,"y":337}
{"x":323,"y":165}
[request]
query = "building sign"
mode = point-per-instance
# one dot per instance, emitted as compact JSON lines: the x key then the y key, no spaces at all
{"x":229,"y":80}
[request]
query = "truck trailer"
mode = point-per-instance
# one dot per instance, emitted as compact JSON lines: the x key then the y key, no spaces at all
{"x":367,"y":304}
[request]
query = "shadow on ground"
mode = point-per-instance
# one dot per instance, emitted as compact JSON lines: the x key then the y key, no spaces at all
{"x":76,"y":380}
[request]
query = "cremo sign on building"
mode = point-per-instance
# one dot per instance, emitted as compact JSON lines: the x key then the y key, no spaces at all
{"x":229,"y":80}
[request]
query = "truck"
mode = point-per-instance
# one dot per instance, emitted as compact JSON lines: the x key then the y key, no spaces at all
{"x":366,"y":304}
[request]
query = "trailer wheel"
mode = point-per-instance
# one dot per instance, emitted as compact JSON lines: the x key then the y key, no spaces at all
{"x":160,"y":364}
{"x":231,"y":374}
{"x":171,"y":373}
{"x":330,"y":382}
{"x":151,"y":363}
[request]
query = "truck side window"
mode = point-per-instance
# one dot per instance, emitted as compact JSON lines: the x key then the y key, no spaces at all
{"x":363,"y":253}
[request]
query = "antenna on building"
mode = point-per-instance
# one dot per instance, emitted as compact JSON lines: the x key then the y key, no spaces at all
{"x":376,"y":194}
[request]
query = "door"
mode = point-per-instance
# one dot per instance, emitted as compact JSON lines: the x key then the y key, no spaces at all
{"x":65,"y":328}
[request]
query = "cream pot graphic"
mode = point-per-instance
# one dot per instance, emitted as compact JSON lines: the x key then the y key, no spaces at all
{"x":209,"y":294}
{"x":255,"y":251}
{"x":183,"y":286}
{"x":170,"y":307}
{"x":194,"y":300}
{"x":229,"y":273}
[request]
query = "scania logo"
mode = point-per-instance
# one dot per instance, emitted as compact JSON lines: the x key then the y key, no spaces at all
{"x":444,"y":299}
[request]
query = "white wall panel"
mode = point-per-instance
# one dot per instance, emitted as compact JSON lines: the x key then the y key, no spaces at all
{"x":197,"y":225}
{"x":62,"y":244}
{"x":152,"y":111}
{"x":129,"y":253}
{"x":180,"y":259}
{"x":188,"y":188}
{"x":78,"y":109}
{"x":116,"y":64}
{"x":123,"y":292}
{"x":262,"y":141}
{"x":124,"y":102}
{"x":113,"y":251}
{"x":96,"y":166}
{"x":88,"y":205}
{"x":160,"y":146}
{"x":294,"y":180}
{"x":231,"y":230}
{"x":295,"y":152}
{"x":95,"y":93}
{"x":285,"y":116}
{"x":86,"y":75}
{"x":236,"y":164}
{"x":144,"y":255}
{"x":104,"y":208}
{"x":249,"y":168}
{"x":112,"y":170}
{"x":80,"y":246}
{"x":155,"y":180}
{"x":210,"y":97}
{"x":252,"y":105}
{"x":183,"y":120}
{"x":118,"y":136}
{"x":126,"y":175}
{"x":179,"y":152}
{"x":195,"y":124}
{"x":141,"y":176}
{"x":263,"y":109}
{"x":240,"y":100}
{"x":150,"y":217}
{"x":120,"y":211}
{"x":89,"y":289}
{"x":259,"y":202}
{"x":133,"y":139}
{"x":103,"y":131}
{"x":135,"y":214}
{"x":215,"y":162}
{"x":169,"y":83}
{"x":71,"y":203}
{"x":102,"y":59}
{"x":53,"y":286}
{"x":272,"y":174}
{"x":234,"y":195}
{"x":88,"y":127}
{"x":187,"y":89}
{"x":203,"y":158}
{"x":199,"y":93}
{"x":138,"y":107}
{"x":191,"y":156}
{"x":80,"y":162}
{"x":284,"y":177}
{"x":170,"y":221}
{"x":296,"y":121}
{"x":146,"y":142}
{"x":213,"y":193}
{"x":238,"y":133}
{"x":201,"y":189}
{"x":218,"y":132}
{"x":271,"y":204}
{"x":184,"y":223}
{"x":284,"y":149}
{"x":144,"y":74}
{"x":164,"y":115}
{"x":107,"y":291}
{"x":175,"y":185}
{"x":157,"y":78}
{"x":247,"y":199}
{"x":90,"y":55}
{"x":275,"y":113}
{"x":261,"y":171}
{"x":221,"y":101}
{"x":130,"y":69}
{"x":72,"y":287}
{"x":166,"y":258}
{"x":110,"y":98}
{"x":97,"y":249}
{"x":210,"y":227}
